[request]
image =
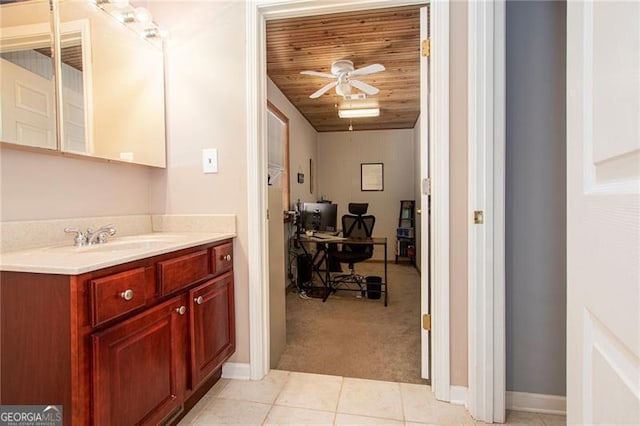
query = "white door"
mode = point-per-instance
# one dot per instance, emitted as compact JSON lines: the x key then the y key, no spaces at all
{"x":73,"y":138}
{"x":424,"y":199}
{"x":28,"y":114}
{"x":603,"y":212}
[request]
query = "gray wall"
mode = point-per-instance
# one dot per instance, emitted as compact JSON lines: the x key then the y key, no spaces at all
{"x":536,"y":197}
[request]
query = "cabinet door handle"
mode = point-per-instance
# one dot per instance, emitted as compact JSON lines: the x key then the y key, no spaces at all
{"x":127,"y":294}
{"x":198,"y":300}
{"x":226,"y":257}
{"x":181,"y":310}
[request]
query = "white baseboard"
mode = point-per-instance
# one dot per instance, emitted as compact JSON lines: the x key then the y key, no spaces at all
{"x":458,"y":395}
{"x":536,"y":403}
{"x":235,"y":370}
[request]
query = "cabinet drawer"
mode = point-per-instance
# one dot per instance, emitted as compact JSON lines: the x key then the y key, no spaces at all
{"x":222,"y":258}
{"x":117,"y":294}
{"x":182,"y":271}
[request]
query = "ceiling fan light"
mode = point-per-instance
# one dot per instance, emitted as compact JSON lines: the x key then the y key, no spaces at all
{"x":358,"y":113}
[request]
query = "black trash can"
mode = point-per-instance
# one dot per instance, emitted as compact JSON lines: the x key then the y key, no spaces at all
{"x":305,"y":269}
{"x":374,"y":287}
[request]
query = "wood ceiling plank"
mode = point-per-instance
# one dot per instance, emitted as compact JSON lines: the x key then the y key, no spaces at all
{"x":388,"y":36}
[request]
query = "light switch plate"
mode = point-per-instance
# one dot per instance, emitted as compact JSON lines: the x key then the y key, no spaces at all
{"x":210,"y":160}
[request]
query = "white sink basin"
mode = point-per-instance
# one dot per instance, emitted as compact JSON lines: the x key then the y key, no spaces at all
{"x":122,"y":245}
{"x":133,"y":242}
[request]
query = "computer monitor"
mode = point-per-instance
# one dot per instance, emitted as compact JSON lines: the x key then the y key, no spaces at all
{"x":319,"y":216}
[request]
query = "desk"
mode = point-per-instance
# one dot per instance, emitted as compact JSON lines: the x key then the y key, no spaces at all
{"x":322,"y":258}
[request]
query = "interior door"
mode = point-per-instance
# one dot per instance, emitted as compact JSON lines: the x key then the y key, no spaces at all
{"x":28,"y":116}
{"x":603,"y":212}
{"x":425,"y":265}
{"x":278,"y":197}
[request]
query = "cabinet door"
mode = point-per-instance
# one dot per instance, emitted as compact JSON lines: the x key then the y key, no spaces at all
{"x":138,"y":368}
{"x":212,"y":326}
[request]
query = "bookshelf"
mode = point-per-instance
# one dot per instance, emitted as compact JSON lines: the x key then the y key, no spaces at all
{"x":405,"y":234}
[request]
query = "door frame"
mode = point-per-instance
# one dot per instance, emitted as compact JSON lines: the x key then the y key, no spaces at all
{"x":257,"y":13}
{"x":487,"y":125}
{"x":438,"y":120}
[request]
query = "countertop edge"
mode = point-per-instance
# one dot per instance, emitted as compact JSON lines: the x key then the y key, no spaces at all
{"x":13,"y":264}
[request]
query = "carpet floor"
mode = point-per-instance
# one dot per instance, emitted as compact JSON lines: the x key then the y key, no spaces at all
{"x":358,"y":337}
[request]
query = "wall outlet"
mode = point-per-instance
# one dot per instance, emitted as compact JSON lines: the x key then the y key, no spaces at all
{"x":210,"y":160}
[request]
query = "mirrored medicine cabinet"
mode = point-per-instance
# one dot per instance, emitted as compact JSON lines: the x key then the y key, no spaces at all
{"x":100,"y":94}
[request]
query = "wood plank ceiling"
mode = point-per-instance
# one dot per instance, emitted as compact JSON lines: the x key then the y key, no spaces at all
{"x":388,"y":36}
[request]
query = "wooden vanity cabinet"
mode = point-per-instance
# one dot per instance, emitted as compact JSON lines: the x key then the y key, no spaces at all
{"x":212,"y":340}
{"x":128,"y":344}
{"x":138,"y":365}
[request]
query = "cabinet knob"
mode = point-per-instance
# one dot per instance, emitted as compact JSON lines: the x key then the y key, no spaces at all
{"x":198,"y":300}
{"x":226,"y":257}
{"x":181,"y":310}
{"x":127,"y":294}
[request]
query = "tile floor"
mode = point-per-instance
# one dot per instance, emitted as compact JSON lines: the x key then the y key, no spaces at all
{"x":288,"y":398}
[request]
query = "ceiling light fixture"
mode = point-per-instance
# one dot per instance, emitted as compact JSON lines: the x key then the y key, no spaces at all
{"x":143,"y":15}
{"x":126,"y":17}
{"x":139,"y":19}
{"x":357,"y":113}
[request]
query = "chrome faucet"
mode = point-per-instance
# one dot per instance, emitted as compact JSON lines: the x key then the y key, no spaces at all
{"x":80,"y":239}
{"x":90,"y":237}
{"x":100,"y":236}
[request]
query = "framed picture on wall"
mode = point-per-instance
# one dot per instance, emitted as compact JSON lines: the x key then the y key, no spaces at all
{"x":372,"y":176}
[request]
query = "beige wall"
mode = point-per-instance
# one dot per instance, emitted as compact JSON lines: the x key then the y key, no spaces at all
{"x":303,"y":145}
{"x":206,"y":108}
{"x":339,"y":158}
{"x":41,"y":186}
{"x":459,"y":211}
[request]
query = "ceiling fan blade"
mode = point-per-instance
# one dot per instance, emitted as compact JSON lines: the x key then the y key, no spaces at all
{"x":324,"y":90}
{"x":366,"y":88}
{"x":318,"y":74}
{"x":369,"y":69}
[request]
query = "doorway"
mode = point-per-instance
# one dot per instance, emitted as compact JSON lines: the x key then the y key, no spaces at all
{"x":415,"y":182}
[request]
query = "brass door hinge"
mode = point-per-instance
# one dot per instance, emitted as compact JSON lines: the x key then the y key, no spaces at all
{"x":426,"y":47}
{"x":426,"y":322}
{"x":478,"y":217}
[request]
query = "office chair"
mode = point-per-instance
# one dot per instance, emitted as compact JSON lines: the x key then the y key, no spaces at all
{"x":354,"y":225}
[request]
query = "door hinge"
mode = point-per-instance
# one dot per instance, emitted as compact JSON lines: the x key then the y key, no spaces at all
{"x":267,"y":214}
{"x":426,"y":186}
{"x":426,"y":47}
{"x":426,"y":322}
{"x":478,"y":217}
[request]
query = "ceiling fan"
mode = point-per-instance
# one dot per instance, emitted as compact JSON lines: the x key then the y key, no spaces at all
{"x":342,"y":72}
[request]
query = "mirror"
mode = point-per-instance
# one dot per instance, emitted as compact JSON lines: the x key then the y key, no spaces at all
{"x":111,"y":84}
{"x":122,"y":75}
{"x":27,"y":110}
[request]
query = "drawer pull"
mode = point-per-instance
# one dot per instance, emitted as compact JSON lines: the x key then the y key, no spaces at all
{"x":198,"y":300}
{"x":127,"y":294}
{"x":227,"y":257}
{"x":181,"y":310}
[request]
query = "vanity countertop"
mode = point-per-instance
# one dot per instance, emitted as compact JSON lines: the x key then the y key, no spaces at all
{"x":70,"y":260}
